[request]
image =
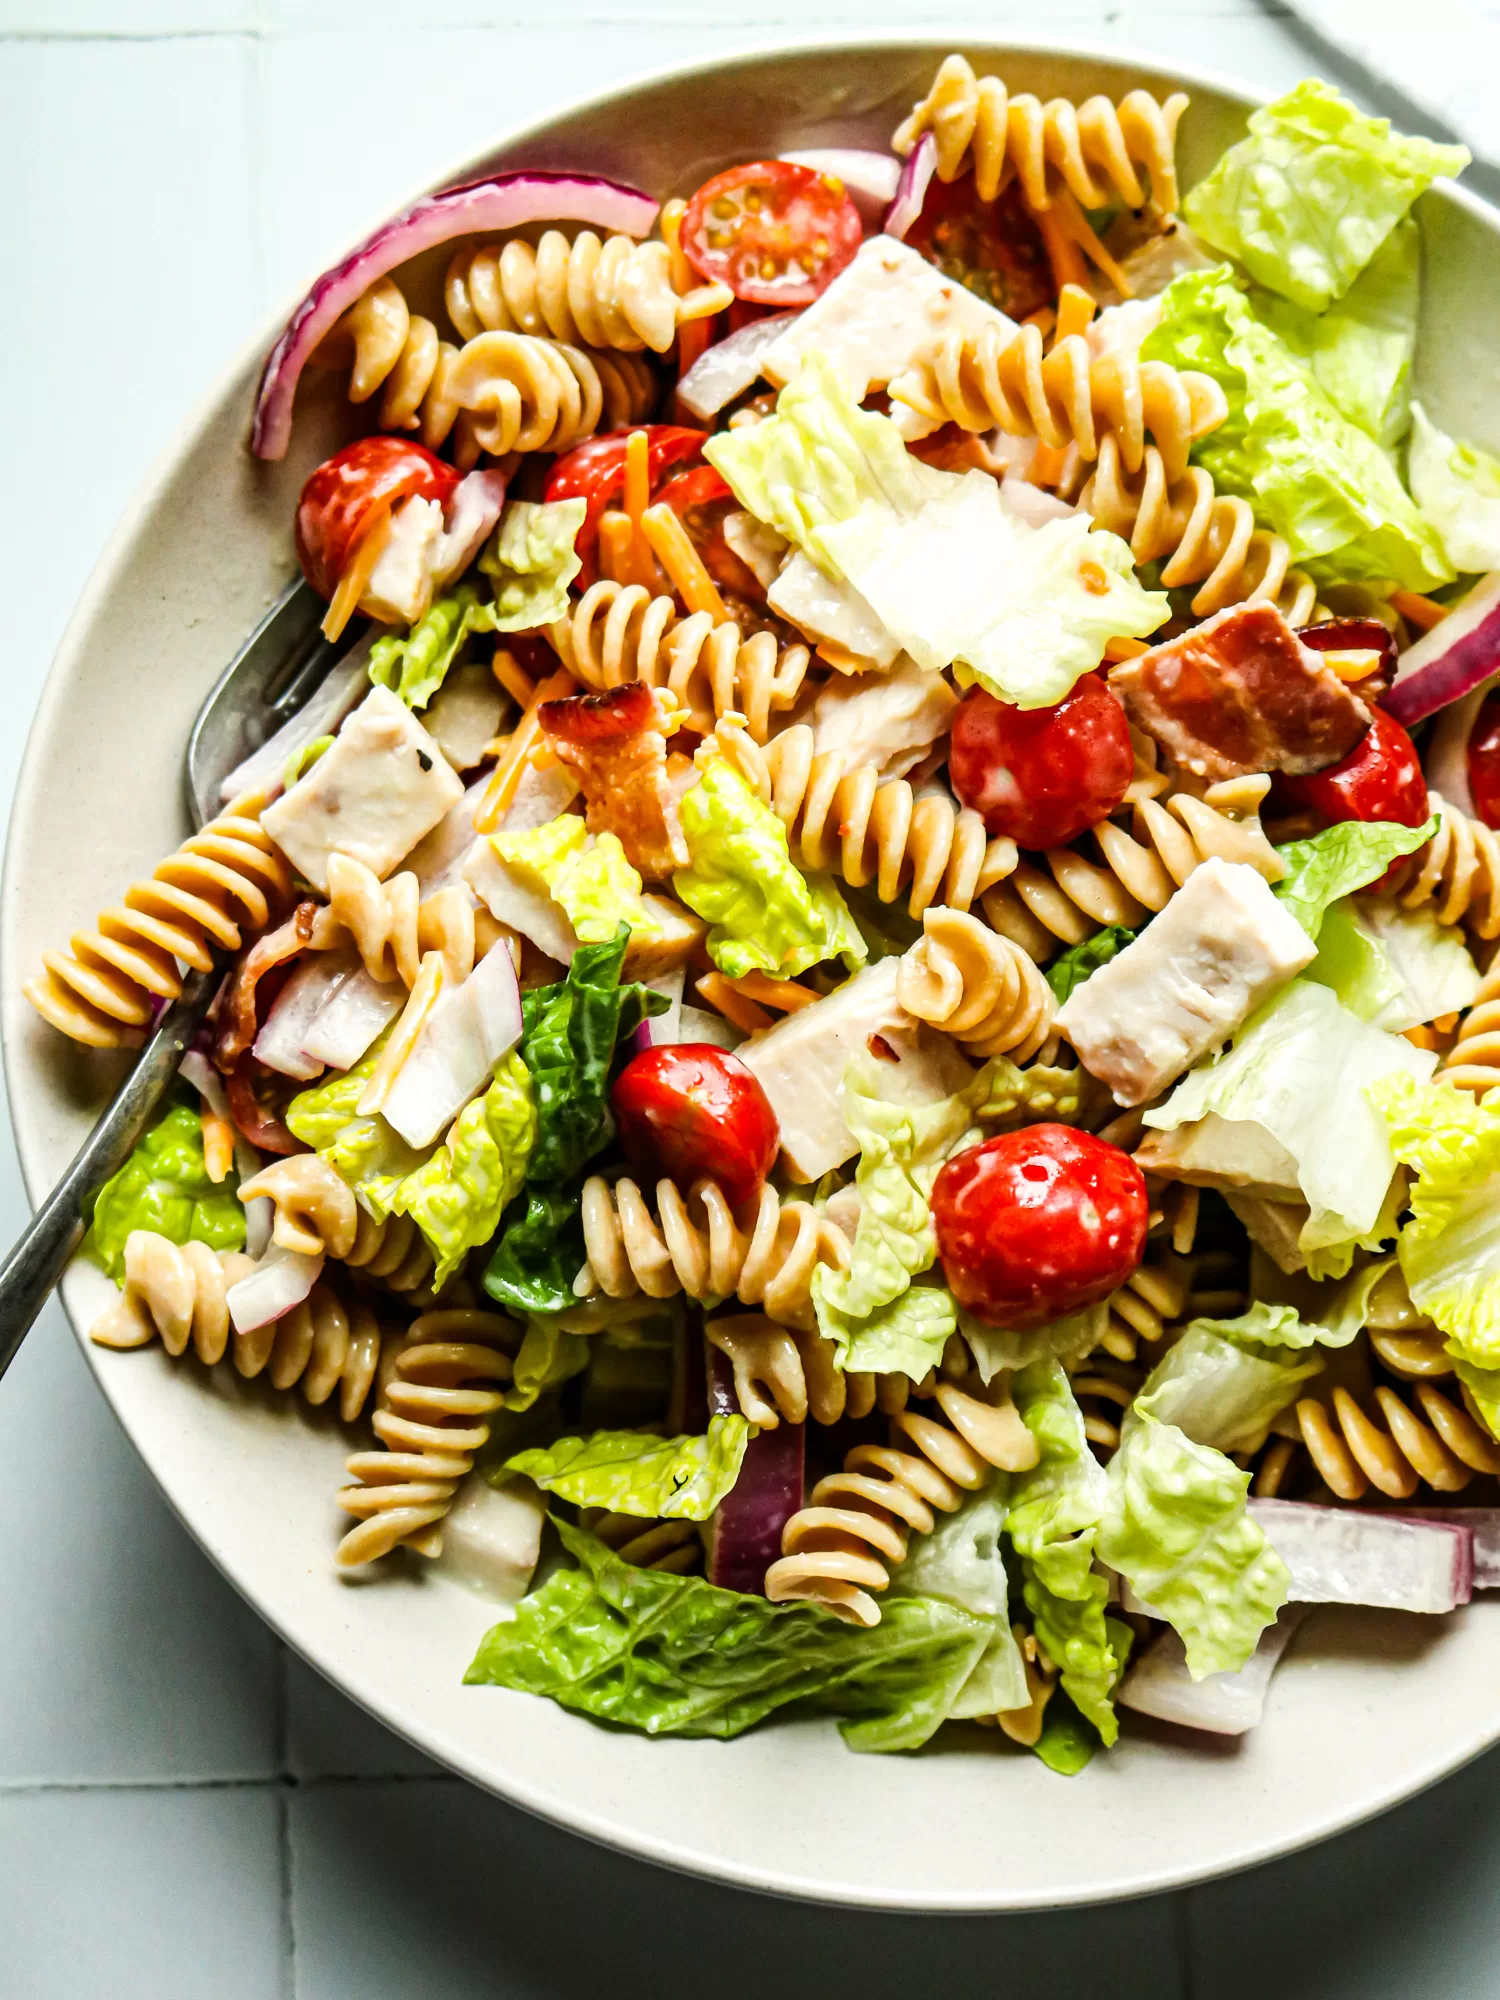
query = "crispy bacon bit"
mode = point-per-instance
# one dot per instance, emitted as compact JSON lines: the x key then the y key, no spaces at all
{"x":248,"y":1088}
{"x":236,"y":1005}
{"x":616,"y":744}
{"x":879,"y":1046}
{"x":952,"y":449}
{"x":1240,"y":693}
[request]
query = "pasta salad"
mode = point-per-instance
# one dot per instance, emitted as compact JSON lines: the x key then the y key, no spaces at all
{"x":858,"y":1027}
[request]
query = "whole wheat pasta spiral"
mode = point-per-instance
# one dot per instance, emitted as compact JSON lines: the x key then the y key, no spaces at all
{"x":316,"y":1213}
{"x":1197,"y":534}
{"x":1040,"y":909}
{"x":322,"y":1345}
{"x":442,"y":1385}
{"x":1473,"y":1063}
{"x":617,"y":293}
{"x":1394,"y":1447}
{"x":977,"y":986}
{"x":623,"y":632}
{"x":203,"y":898}
{"x":1093,"y":148}
{"x":392,"y":1251}
{"x":1065,"y":397}
{"x":855,"y":1529}
{"x":871,"y":830}
{"x":1458,"y":872}
{"x":386,"y":345}
{"x":674,"y":1546}
{"x":698,"y":1248}
{"x":525,"y":394}
{"x":1105,"y":1389}
{"x":781,"y":1374}
{"x":391,"y":927}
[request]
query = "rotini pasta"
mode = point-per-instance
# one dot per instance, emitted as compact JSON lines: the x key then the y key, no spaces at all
{"x":1458,"y":872}
{"x":843,"y":1544}
{"x":1137,"y":871}
{"x":1389,"y":1447}
{"x":674,"y":1546}
{"x":782,"y":1374}
{"x":222,"y":883}
{"x":391,"y":927}
{"x":1105,"y":1389}
{"x":316,"y":1213}
{"x":1473,"y":1062}
{"x":322,"y":1345}
{"x":624,"y":632}
{"x":1198,"y":535}
{"x":612,"y":294}
{"x":525,"y":394}
{"x":698,"y":1248}
{"x":442,"y":1385}
{"x":387,"y":346}
{"x":1093,"y":149}
{"x":392,"y":1252}
{"x":1024,"y":1725}
{"x":1065,"y":397}
{"x":977,"y":986}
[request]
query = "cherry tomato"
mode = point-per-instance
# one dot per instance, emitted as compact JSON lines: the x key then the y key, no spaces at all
{"x":702,"y":498}
{"x":595,"y":472}
{"x":341,"y":499}
{"x":1484,"y":760}
{"x":1042,"y":776}
{"x":993,"y":248}
{"x":1037,"y":1223}
{"x":777,"y":234}
{"x":695,"y":1112}
{"x":1381,"y":778}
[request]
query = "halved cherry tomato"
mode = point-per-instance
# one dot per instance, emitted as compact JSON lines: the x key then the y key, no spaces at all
{"x":1042,"y":776}
{"x":1381,"y":778}
{"x":1038,"y":1223}
{"x":1484,"y":760}
{"x":341,"y":499}
{"x":695,"y":1112}
{"x":777,"y":234}
{"x":702,"y":498}
{"x":595,"y":472}
{"x":993,"y":248}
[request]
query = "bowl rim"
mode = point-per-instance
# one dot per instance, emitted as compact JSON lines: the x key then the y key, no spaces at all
{"x":769,"y":1878}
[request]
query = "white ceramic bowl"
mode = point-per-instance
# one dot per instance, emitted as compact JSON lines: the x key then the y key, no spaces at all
{"x":1368,"y":1708}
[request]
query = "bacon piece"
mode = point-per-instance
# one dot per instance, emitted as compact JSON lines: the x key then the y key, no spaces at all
{"x":616,"y":744}
{"x":236,"y":1004}
{"x":252,"y":1111}
{"x":1240,"y":693}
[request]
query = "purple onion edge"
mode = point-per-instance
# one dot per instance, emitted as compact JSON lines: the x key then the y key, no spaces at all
{"x":911,"y":189}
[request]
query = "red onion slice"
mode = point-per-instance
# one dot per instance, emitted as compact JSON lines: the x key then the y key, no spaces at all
{"x":1484,"y":1524}
{"x":744,"y":1531}
{"x":196,"y":1069}
{"x":1341,"y":1555}
{"x":727,"y":369}
{"x":870,"y":178}
{"x":1452,"y":659}
{"x":661,"y":1029}
{"x":505,"y":201}
{"x":473,"y":509}
{"x":1445,"y":759}
{"x":351,"y":1018}
{"x":280,"y":1043}
{"x":1159,"y":1683}
{"x":280,"y":1281}
{"x":911,"y":189}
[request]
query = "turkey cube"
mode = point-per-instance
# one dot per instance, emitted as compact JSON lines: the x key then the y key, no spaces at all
{"x":1222,"y":945}
{"x":381,"y":786}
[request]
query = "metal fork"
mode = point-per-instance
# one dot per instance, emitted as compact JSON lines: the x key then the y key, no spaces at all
{"x":280,"y":668}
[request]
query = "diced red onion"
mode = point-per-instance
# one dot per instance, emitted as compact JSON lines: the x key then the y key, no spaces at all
{"x":1445,"y":756}
{"x":1452,"y":659}
{"x":1342,"y":1555}
{"x":911,"y":189}
{"x":351,"y":1018}
{"x":727,"y":369}
{"x":504,"y":201}
{"x":744,"y":1531}
{"x":280,"y":1281}
{"x":344,"y":687}
{"x":870,"y":178}
{"x":1159,"y":1683}
{"x":280,"y":1044}
{"x":1484,"y":1524}
{"x":468,"y":1030}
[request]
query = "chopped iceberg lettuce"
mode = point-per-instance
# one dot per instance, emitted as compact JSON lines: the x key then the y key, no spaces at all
{"x":995,"y":1348}
{"x":635,"y":1472}
{"x":1346,"y":856}
{"x":367,"y":1154}
{"x":1308,"y":198}
{"x":765,"y":914}
{"x":1290,"y":1309}
{"x":164,"y":1187}
{"x":1457,"y":486}
{"x":1308,"y":473}
{"x":1393,"y":967}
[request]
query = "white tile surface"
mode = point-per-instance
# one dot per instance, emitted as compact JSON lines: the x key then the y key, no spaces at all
{"x":174,"y":166}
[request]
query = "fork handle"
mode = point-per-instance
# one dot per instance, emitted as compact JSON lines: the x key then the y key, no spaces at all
{"x":39,"y":1258}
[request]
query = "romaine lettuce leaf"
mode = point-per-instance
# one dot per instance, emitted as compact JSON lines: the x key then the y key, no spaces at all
{"x":1361,"y":349}
{"x":1055,"y":1513}
{"x":367,"y":1154}
{"x":1080,"y":960}
{"x":963,"y":1563}
{"x":164,"y":1186}
{"x":549,"y":1355}
{"x":531,"y":560}
{"x":540,"y":1253}
{"x":1309,"y":473}
{"x":1175,"y":1526}
{"x":1221,"y":1387}
{"x":302,"y":759}
{"x":1297,"y":1069}
{"x":1069,"y":1741}
{"x":1004,"y":1094}
{"x":1308,"y":198}
{"x":995,"y":1348}
{"x":1450,"y":1249}
{"x":457,"y":1196}
{"x":634,"y":1472}
{"x":766,"y":915}
{"x":589,"y":878}
{"x":1291,"y":1309}
{"x":1457,"y":486}
{"x":1393,"y":967}
{"x":675,"y":1655}
{"x":874,"y":1320}
{"x":415,"y":665}
{"x":1346,"y":856}
{"x":1483,"y":1384}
